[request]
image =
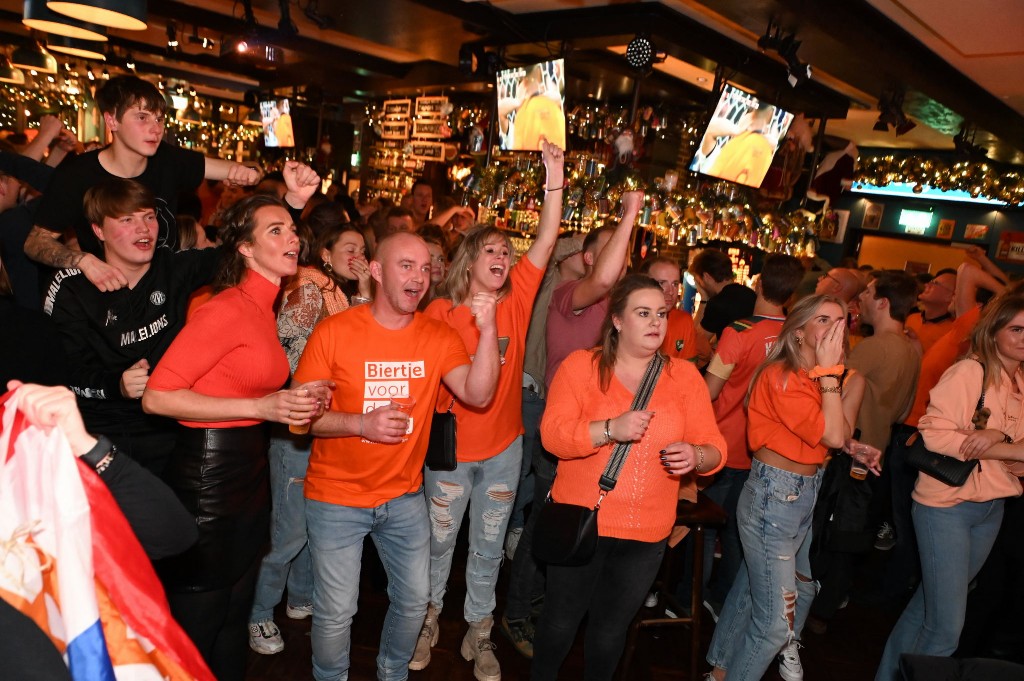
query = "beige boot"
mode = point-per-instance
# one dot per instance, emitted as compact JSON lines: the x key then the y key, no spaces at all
{"x":426,"y":641}
{"x":477,"y":646}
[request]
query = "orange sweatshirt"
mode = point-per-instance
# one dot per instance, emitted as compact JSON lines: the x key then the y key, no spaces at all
{"x":951,"y":406}
{"x":642,"y":506}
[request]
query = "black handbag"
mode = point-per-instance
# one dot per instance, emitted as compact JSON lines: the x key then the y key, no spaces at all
{"x":566,"y":534}
{"x":946,"y":469}
{"x":441,"y":444}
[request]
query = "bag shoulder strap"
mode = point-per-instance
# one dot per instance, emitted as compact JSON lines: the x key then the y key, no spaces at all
{"x":640,"y":400}
{"x":981,"y":398}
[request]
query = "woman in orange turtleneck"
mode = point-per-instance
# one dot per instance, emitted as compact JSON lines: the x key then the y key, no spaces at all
{"x":220,"y":378}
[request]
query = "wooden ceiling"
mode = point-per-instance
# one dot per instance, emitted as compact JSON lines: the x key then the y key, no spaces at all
{"x":957,"y":61}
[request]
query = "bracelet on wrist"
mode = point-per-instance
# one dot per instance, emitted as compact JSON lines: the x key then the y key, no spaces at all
{"x":554,"y":189}
{"x":105,"y":462}
{"x":835,"y":389}
{"x":99,"y":451}
{"x":359,"y":300}
{"x":700,"y":458}
{"x":607,"y":431}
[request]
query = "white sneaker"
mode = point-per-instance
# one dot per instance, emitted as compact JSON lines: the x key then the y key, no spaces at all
{"x":265,"y":637}
{"x":299,"y":612}
{"x":512,"y":538}
{"x":790,"y":667}
{"x":651,"y":600}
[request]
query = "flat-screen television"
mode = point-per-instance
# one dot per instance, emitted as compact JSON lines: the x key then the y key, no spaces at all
{"x":741,"y":138}
{"x":531,"y":105}
{"x":276,"y":117}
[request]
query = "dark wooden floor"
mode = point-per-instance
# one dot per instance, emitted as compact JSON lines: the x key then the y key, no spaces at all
{"x":848,"y":652}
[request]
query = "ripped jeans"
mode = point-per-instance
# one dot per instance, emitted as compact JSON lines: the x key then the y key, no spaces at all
{"x":768,"y":603}
{"x":488,"y":489}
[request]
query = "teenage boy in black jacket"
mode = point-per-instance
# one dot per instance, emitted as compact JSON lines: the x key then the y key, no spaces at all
{"x":114,"y":338}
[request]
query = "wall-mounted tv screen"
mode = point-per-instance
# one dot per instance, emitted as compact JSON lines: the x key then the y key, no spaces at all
{"x":741,"y":139}
{"x":277,"y":123}
{"x":531,"y":105}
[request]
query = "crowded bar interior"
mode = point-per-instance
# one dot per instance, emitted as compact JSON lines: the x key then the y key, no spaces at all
{"x":868,"y":136}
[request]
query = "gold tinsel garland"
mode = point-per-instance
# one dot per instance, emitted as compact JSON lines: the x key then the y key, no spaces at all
{"x":974,"y":177}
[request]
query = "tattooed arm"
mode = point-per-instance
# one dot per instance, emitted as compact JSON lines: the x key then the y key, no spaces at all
{"x":43,"y":246}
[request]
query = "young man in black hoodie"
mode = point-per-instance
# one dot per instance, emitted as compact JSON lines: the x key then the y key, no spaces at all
{"x":114,"y":338}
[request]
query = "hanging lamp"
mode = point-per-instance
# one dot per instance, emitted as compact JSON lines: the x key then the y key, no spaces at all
{"x":129,"y":15}
{"x":34,"y":57}
{"x":38,"y":16}
{"x":86,"y":49}
{"x":9,"y":73}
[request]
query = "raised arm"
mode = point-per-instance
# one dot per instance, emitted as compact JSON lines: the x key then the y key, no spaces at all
{"x":301,"y":182}
{"x":235,"y":173}
{"x":551,"y":212}
{"x":970,"y":278}
{"x":612,"y":258}
{"x":49,"y":129}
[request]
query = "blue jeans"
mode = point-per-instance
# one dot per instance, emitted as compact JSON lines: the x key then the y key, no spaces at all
{"x":954,"y":543}
{"x":401,"y":533}
{"x":768,"y":602}
{"x":533,"y":410}
{"x":489,"y":488}
{"x":288,"y":560}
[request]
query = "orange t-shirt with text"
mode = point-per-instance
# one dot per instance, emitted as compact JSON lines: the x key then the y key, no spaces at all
{"x":371,"y":364}
{"x":488,"y":431}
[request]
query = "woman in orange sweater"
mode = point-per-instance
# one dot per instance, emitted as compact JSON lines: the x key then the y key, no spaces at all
{"x":220,"y":378}
{"x":674,"y":439}
{"x":957,"y":526}
{"x":796,"y":410}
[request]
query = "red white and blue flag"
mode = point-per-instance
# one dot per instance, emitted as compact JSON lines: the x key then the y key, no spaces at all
{"x":70,"y":562}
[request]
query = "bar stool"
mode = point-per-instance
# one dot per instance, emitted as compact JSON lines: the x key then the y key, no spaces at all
{"x":697,"y":516}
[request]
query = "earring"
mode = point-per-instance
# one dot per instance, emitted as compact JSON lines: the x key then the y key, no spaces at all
{"x":328,"y":267}
{"x":800,"y":341}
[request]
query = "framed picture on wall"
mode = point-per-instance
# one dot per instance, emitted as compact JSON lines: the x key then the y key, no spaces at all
{"x":945,"y":229}
{"x":976,"y":232}
{"x":872,"y":216}
{"x":833,"y":226}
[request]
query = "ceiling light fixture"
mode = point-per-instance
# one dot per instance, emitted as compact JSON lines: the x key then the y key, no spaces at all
{"x":172,"y":36}
{"x":86,"y":49}
{"x":641,"y":53}
{"x":9,"y":73}
{"x":786,"y":45}
{"x":36,"y":15}
{"x":34,"y":57}
{"x":890,"y":107}
{"x":202,"y":41}
{"x":129,"y":15}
